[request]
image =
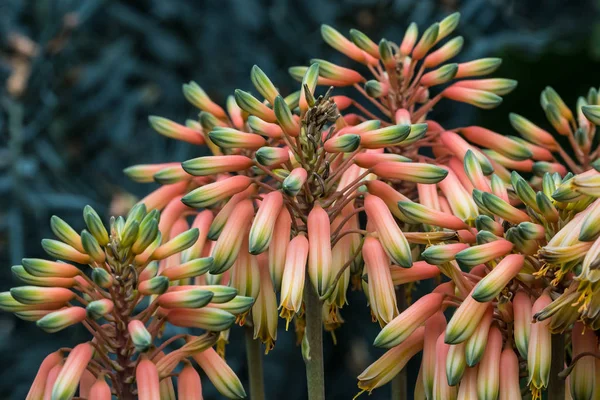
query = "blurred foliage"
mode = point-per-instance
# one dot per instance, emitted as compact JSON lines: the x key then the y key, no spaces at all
{"x":79,"y":78}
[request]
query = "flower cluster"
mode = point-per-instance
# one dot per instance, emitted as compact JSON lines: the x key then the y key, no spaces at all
{"x":146,"y":271}
{"x":526,"y":272}
{"x":308,"y":194}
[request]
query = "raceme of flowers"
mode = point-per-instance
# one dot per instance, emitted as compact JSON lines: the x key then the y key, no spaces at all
{"x":306,"y":195}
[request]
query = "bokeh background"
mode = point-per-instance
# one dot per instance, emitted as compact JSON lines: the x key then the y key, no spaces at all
{"x":78,"y":79}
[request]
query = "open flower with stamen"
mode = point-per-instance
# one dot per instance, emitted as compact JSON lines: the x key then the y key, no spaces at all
{"x":123,"y":300}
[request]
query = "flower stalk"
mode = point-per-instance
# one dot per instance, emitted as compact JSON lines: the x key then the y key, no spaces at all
{"x":313,"y":357}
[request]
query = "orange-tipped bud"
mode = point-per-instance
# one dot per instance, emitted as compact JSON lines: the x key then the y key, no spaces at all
{"x":68,"y":379}
{"x":392,"y":239}
{"x":368,"y":160}
{"x":410,"y":319}
{"x":261,"y":232}
{"x":294,"y":272}
{"x":176,"y":131}
{"x":230,"y":241}
{"x":509,"y":375}
{"x":319,"y":255}
{"x":382,"y":296}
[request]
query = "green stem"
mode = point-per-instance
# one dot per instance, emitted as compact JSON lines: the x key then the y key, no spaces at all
{"x":255,"y":366}
{"x":399,"y":387}
{"x":315,"y":379}
{"x":556,"y":386}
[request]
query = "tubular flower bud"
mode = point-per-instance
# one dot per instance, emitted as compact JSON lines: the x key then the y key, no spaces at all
{"x":22,"y":275}
{"x":68,"y":378}
{"x":500,"y":143}
{"x":583,"y":376}
{"x":190,"y":269}
{"x":294,"y":272}
{"x":488,"y":375}
{"x":456,"y":364}
{"x":522,"y":321}
{"x":465,"y":320}
{"x":483,"y":66}
{"x":263,"y":128}
{"x":198,"y":97}
{"x":189,"y":386}
{"x":139,"y":335}
{"x":441,"y":388}
{"x":342,"y":144}
{"x":410,"y":319}
{"x":245,"y":274}
{"x":36,"y":391}
{"x":340,"y":75}
{"x":509,"y":375}
{"x":433,"y":328}
{"x":209,"y":165}
{"x":426,"y":42}
{"x":474,"y":97}
{"x":263,"y":225}
{"x":191,"y":298}
{"x":476,"y":344}
{"x":221,"y":294}
{"x":459,"y":147}
{"x":144,"y":173}
{"x":177,"y":244}
{"x":539,"y":354}
{"x":156,"y":285}
{"x":443,"y":253}
{"x":336,"y":40}
{"x":278,"y":247}
{"x":59,"y":320}
{"x":484,"y":252}
{"x":65,"y":233}
{"x":44,"y":268}
{"x":264,"y":310}
{"x":440,"y":76}
{"x":224,"y":214}
{"x":418,"y":213}
{"x":220,"y":374}
{"x":468,"y":385}
{"x":99,"y":308}
{"x":411,"y":172}
{"x":293,"y":183}
{"x":384,"y":137}
{"x":147,"y":380}
{"x":211,"y":319}
{"x":391,"y":363}
{"x":63,"y":251}
{"x":319,"y":255}
{"x":444,"y":53}
{"x":368,"y":160}
{"x":100,"y":390}
{"x":253,"y":106}
{"x":272,"y":156}
{"x":173,"y":130}
{"x":382,"y":296}
{"x":230,"y":241}
{"x":263,"y":84}
{"x":34,"y":295}
{"x":213,"y":193}
{"x":391,"y":237}
{"x":389,"y":196}
{"x":492,"y":284}
{"x":285,"y":117}
{"x":418,"y":272}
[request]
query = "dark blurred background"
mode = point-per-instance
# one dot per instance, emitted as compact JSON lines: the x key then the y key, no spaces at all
{"x":78,"y":79}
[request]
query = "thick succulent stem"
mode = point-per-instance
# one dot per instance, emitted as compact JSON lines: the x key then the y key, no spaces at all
{"x":399,"y":387}
{"x":254,"y":358}
{"x":556,"y":386}
{"x":315,"y":379}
